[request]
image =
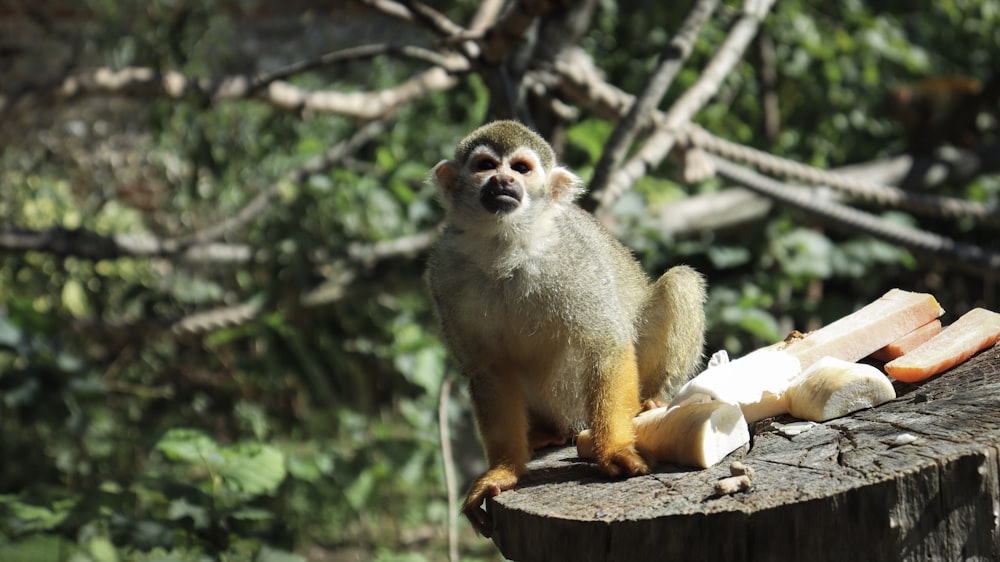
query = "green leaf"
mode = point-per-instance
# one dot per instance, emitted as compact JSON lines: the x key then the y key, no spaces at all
{"x":251,"y":417}
{"x":724,"y":257}
{"x":35,"y":547}
{"x":590,"y":136}
{"x":25,"y":517}
{"x":761,"y":324}
{"x":74,"y":298}
{"x":181,"y":508}
{"x":310,"y":468}
{"x":102,"y":550}
{"x":360,"y":490}
{"x":804,"y":253}
{"x":190,"y":446}
{"x":253,"y":468}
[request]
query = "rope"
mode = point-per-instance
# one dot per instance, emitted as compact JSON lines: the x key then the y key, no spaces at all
{"x":947,"y":207}
{"x":844,"y":216}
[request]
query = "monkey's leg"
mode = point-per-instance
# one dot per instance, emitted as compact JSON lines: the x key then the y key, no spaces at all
{"x":502,"y":416}
{"x":614,"y":401}
{"x":671,"y":332}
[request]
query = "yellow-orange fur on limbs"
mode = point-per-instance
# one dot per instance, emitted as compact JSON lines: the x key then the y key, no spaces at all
{"x":551,"y":319}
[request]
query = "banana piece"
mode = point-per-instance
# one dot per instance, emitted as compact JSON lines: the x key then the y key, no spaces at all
{"x":710,"y":419}
{"x":756,"y":381}
{"x":832,"y":388}
{"x":694,"y":434}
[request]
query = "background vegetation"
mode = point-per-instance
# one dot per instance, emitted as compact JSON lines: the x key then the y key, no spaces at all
{"x":215,"y":342}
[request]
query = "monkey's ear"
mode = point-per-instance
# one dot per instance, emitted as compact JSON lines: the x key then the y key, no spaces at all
{"x":445,"y":174}
{"x":566,"y":187}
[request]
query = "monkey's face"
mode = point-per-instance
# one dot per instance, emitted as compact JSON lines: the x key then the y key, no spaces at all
{"x":491,"y":189}
{"x":506,"y":183}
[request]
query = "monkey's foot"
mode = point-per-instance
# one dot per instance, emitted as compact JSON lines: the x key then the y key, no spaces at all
{"x":624,"y":462}
{"x":489,"y":485}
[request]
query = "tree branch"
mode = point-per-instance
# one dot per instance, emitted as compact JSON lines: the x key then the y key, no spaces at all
{"x":216,"y":319}
{"x":90,"y":245}
{"x":768,"y":73}
{"x":580,"y":81}
{"x":360,"y":105}
{"x":946,"y":165}
{"x":508,"y":31}
{"x":706,"y":213}
{"x":390,"y":8}
{"x":641,"y":112}
{"x":143,"y":81}
{"x":662,"y":141}
{"x":404,"y":245}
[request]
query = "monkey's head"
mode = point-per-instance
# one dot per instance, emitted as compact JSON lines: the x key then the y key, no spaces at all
{"x":502,"y":173}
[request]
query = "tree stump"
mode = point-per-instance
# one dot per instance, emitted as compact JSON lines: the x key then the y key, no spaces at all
{"x":847,"y":489}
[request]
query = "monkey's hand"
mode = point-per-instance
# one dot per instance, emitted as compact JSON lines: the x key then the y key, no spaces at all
{"x":654,"y":403}
{"x":496,"y":480}
{"x":622,"y":463}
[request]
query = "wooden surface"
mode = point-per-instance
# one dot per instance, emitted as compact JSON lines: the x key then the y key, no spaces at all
{"x":843,"y":490}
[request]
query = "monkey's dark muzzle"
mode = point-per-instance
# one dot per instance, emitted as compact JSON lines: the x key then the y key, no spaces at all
{"x":501,"y":199}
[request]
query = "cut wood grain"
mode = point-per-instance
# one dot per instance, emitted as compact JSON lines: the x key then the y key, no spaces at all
{"x":847,"y":489}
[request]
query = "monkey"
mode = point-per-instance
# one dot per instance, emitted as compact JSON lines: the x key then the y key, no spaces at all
{"x":552,"y":320}
{"x":942,"y":110}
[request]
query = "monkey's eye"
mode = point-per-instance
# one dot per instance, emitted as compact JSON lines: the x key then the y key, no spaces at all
{"x":521,"y":167}
{"x":486,"y":164}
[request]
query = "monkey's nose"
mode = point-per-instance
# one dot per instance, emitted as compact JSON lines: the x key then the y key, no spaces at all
{"x":501,"y":196}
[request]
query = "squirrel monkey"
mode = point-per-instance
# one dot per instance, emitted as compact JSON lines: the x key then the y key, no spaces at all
{"x":552,"y":319}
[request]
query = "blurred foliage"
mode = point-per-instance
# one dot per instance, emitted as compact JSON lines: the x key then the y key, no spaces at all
{"x":311,"y":431}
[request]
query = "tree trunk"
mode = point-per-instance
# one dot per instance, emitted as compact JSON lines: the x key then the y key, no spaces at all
{"x":847,"y":489}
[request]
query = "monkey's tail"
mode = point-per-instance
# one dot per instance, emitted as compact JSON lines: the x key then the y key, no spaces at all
{"x":672,"y":332}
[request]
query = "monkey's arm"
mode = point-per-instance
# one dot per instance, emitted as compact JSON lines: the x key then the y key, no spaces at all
{"x":502,"y":415}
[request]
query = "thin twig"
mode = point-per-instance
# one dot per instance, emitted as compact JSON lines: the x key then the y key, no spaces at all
{"x":388,"y":7}
{"x":486,"y":15}
{"x":353,"y":54}
{"x":263,"y":201}
{"x":404,"y":245}
{"x":438,"y":22}
{"x":448,"y":460}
